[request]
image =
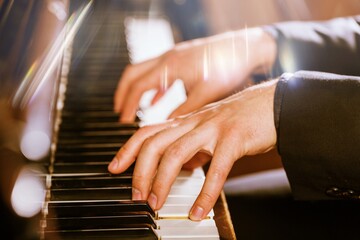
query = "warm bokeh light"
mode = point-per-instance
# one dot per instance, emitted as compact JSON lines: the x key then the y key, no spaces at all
{"x":28,"y":194}
{"x":35,"y":145}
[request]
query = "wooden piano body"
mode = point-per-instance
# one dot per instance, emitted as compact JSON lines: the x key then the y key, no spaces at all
{"x":81,"y":199}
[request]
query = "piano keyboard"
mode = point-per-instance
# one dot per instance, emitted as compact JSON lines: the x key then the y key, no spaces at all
{"x":83,"y":200}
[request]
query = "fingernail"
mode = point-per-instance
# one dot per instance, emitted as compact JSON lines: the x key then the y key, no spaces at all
{"x":197,"y":213}
{"x":152,"y":200}
{"x":136,"y":194}
{"x":114,"y":164}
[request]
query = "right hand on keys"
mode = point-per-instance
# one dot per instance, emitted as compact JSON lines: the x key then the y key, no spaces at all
{"x":211,"y":68}
{"x":242,"y":124}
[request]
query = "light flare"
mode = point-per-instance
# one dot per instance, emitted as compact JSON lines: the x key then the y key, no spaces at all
{"x":57,"y":8}
{"x":206,"y":60}
{"x":38,"y":74}
{"x":165,"y":79}
{"x":246,"y":44}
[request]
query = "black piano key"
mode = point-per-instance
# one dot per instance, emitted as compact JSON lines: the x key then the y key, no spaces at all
{"x":116,"y":133}
{"x":77,"y":194}
{"x":91,"y":181}
{"x":90,"y":119}
{"x":82,"y":167}
{"x":93,"y":139}
{"x":93,"y":75}
{"x":72,"y":99}
{"x":84,"y":156}
{"x":89,"y":107}
{"x":124,"y":220}
{"x":97,"y":126}
{"x":102,"y":208}
{"x":143,"y":233}
{"x":88,"y":149}
{"x":90,"y":114}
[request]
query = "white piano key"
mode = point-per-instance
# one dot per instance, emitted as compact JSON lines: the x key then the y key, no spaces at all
{"x":185,"y":182}
{"x":180,"y":191}
{"x":195,"y":173}
{"x":172,"y":223}
{"x":177,"y":211}
{"x":207,"y":233}
{"x":180,"y":200}
{"x":147,"y":37}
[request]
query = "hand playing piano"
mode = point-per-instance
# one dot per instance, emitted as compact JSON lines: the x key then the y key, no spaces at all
{"x":224,"y":131}
{"x":211,"y":68}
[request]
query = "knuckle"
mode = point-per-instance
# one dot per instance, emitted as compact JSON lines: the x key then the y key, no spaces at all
{"x":128,"y":68}
{"x":143,"y":131}
{"x":207,"y":198}
{"x":148,"y":144}
{"x":151,"y":146}
{"x":169,"y":56}
{"x":159,"y":186}
{"x":124,"y":151}
{"x":137,"y":179}
{"x":138,"y":86}
{"x":127,"y":72}
{"x":218,"y":173}
{"x":174,"y":151}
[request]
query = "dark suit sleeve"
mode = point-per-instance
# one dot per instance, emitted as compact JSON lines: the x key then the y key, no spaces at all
{"x":318,"y":131}
{"x":317,"y":114}
{"x":327,"y":46}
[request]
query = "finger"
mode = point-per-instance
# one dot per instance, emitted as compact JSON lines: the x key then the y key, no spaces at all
{"x":131,"y":73}
{"x":152,"y":80}
{"x":129,"y":151}
{"x":215,"y":178}
{"x":171,"y":163}
{"x":131,"y":104}
{"x":149,"y":157}
{"x":120,"y":94}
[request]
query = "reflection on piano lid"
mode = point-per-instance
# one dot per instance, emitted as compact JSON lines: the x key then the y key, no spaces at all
{"x":82,"y":200}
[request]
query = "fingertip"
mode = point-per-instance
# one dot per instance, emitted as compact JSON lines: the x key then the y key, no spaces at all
{"x":197,"y":213}
{"x":153,"y":201}
{"x":136,"y":194}
{"x":116,"y":110}
{"x":128,"y":114}
{"x":127,"y":119}
{"x":114,"y":165}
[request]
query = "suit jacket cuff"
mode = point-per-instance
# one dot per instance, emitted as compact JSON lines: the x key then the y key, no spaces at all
{"x":317,"y":118}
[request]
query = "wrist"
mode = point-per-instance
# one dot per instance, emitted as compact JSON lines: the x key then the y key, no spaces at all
{"x":262,"y":47}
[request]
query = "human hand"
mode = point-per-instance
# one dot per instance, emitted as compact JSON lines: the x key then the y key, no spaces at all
{"x":211,"y":68}
{"x":225,"y":131}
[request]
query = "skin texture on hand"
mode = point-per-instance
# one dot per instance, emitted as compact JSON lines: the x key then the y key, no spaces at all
{"x":223,"y":132}
{"x":211,"y":69}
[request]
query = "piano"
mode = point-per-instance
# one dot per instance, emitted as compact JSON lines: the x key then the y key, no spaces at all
{"x":80,"y":199}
